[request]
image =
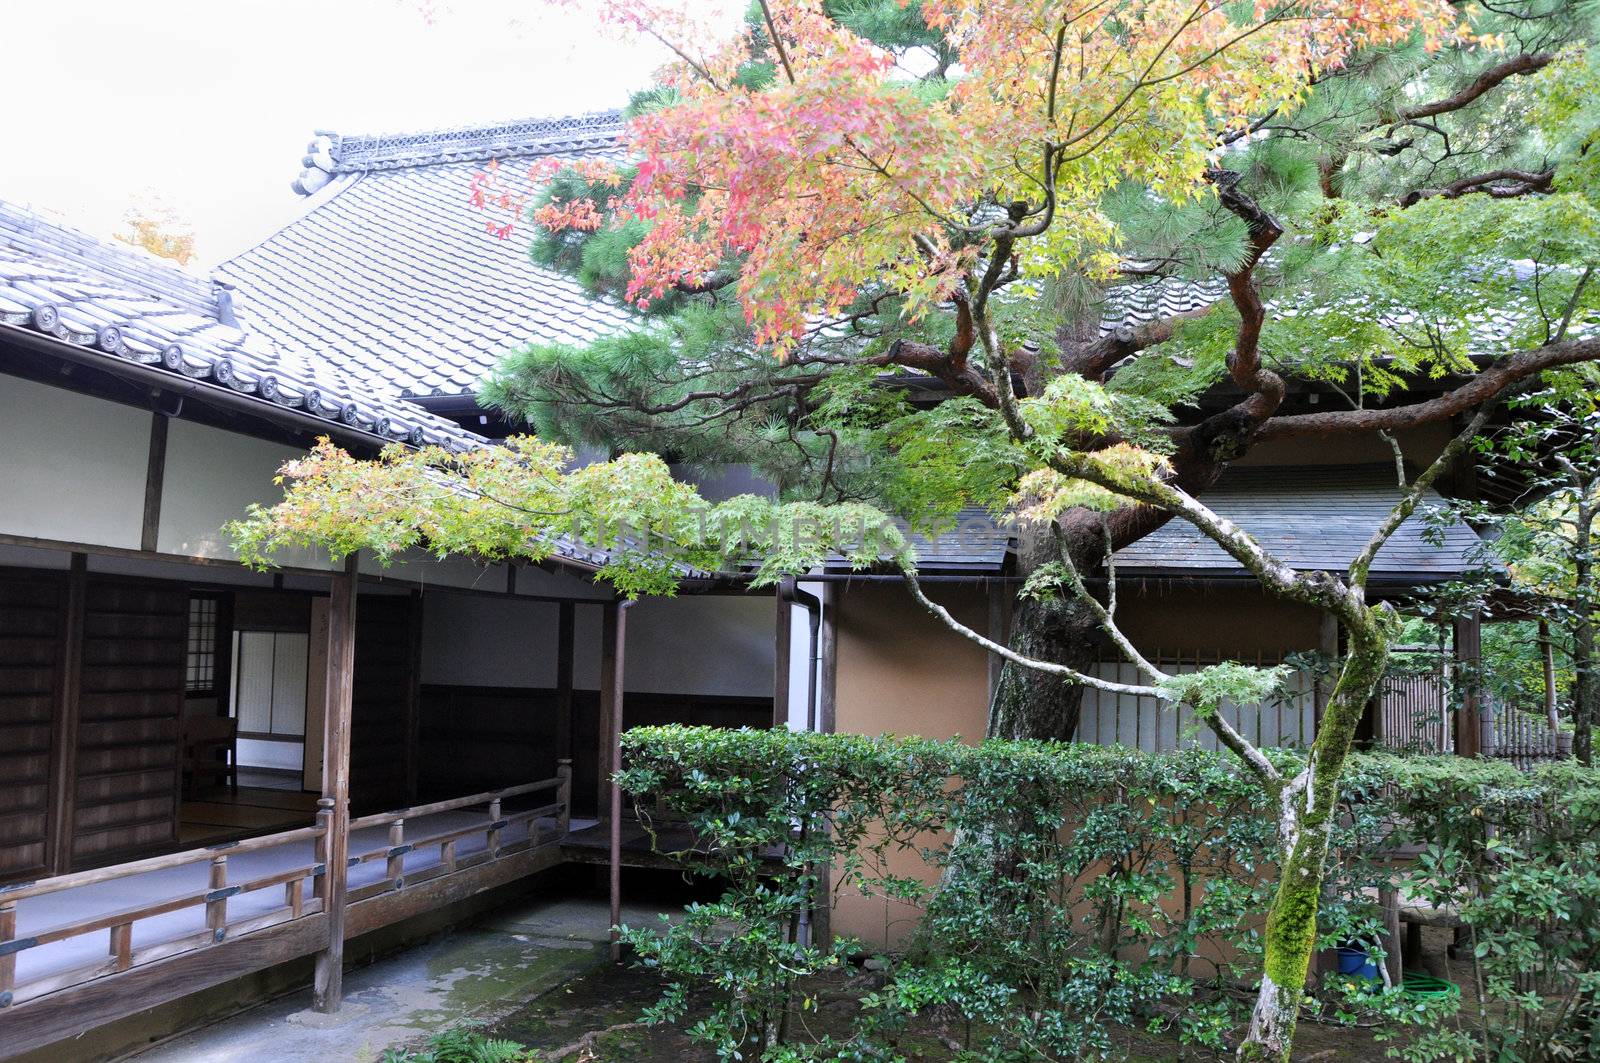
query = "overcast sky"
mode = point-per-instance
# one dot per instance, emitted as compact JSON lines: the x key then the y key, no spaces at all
{"x":211,"y":102}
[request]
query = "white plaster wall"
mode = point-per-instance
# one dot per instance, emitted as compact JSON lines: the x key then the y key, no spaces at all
{"x":72,"y":468}
{"x":474,"y":640}
{"x":702,"y":644}
{"x":212,"y":476}
{"x":259,"y":753}
{"x":709,"y":644}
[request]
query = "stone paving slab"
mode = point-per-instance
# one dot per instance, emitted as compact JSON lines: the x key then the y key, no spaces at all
{"x":480,"y":972}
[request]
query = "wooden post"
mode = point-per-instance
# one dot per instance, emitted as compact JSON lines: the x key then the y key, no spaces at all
{"x":122,"y":946}
{"x":64,"y":748}
{"x":828,"y":687}
{"x":782,"y":651}
{"x":1469,"y":716}
{"x":154,"y":477}
{"x":613,"y":653}
{"x":319,"y":885}
{"x":329,"y":979}
{"x":610,"y":691}
{"x":565,"y":654}
{"x":8,"y":961}
{"x":564,"y":795}
{"x":217,"y":898}
{"x":394,"y":868}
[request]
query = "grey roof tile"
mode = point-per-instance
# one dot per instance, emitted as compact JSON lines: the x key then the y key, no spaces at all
{"x":131,"y":306}
{"x":1310,"y":518}
{"x":394,"y":273}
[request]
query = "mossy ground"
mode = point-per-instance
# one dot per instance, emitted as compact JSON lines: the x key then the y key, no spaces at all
{"x":608,"y":1001}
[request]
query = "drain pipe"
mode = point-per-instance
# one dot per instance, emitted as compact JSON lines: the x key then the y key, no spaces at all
{"x":790,"y":592}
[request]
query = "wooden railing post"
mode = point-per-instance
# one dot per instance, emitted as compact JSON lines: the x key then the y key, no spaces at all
{"x":8,"y":960}
{"x":319,"y":850}
{"x":122,"y":946}
{"x":217,"y":898}
{"x":564,"y":795}
{"x":395,"y":867}
{"x":328,"y":981}
{"x":494,"y":828}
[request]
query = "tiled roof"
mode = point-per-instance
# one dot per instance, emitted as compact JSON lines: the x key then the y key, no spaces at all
{"x":391,"y":272}
{"x":1310,"y":517}
{"x":127,"y":305}
{"x":974,"y":541}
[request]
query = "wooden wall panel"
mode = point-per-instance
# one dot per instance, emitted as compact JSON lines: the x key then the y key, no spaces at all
{"x":126,"y":794}
{"x":30,"y":652}
{"x":385,"y":670}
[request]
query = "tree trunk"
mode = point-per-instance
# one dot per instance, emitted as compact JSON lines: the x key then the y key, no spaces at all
{"x":1306,"y":807}
{"x":1029,"y":703}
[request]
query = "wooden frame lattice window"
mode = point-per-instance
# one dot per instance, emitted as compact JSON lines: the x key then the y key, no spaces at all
{"x":201,"y":674}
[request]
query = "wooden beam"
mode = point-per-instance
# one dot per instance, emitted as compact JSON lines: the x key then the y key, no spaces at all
{"x":328,"y":986}
{"x":566,"y":650}
{"x":64,"y":743}
{"x":782,"y":651}
{"x":154,"y":477}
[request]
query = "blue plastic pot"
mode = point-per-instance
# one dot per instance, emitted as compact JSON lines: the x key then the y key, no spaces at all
{"x":1356,"y":962}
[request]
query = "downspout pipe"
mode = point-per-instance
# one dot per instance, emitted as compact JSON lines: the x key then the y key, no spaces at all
{"x":789,"y":591}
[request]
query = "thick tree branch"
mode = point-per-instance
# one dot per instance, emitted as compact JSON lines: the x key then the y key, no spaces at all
{"x":1521,"y":64}
{"x":1487,"y":384}
{"x":1499,"y":184}
{"x":1094,"y":359}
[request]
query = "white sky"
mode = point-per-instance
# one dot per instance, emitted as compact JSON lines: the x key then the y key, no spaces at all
{"x":211,"y":103}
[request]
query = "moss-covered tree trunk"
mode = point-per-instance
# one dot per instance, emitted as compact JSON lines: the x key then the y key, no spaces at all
{"x":1029,"y":703}
{"x":1306,"y":807}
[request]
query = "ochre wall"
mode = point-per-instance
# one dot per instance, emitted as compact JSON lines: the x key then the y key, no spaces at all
{"x":1170,"y":619}
{"x":901,"y":671}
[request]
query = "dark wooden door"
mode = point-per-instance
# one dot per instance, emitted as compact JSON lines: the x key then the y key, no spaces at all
{"x":383,"y":710}
{"x":127,"y":763}
{"x":31,"y":646}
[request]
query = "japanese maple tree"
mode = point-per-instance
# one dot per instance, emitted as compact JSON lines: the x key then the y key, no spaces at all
{"x":813,"y":208}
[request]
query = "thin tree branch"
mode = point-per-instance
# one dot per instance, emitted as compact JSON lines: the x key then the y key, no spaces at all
{"x":1408,"y":504}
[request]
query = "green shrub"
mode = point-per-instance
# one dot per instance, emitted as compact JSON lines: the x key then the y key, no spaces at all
{"x":1072,"y":889}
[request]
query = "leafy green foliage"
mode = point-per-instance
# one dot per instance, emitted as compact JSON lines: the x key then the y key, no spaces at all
{"x":1063,"y":891}
{"x":463,"y":1045}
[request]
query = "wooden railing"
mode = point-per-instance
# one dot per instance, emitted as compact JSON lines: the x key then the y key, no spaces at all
{"x":1525,"y":739}
{"x":493,"y":829}
{"x":121,"y":955}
